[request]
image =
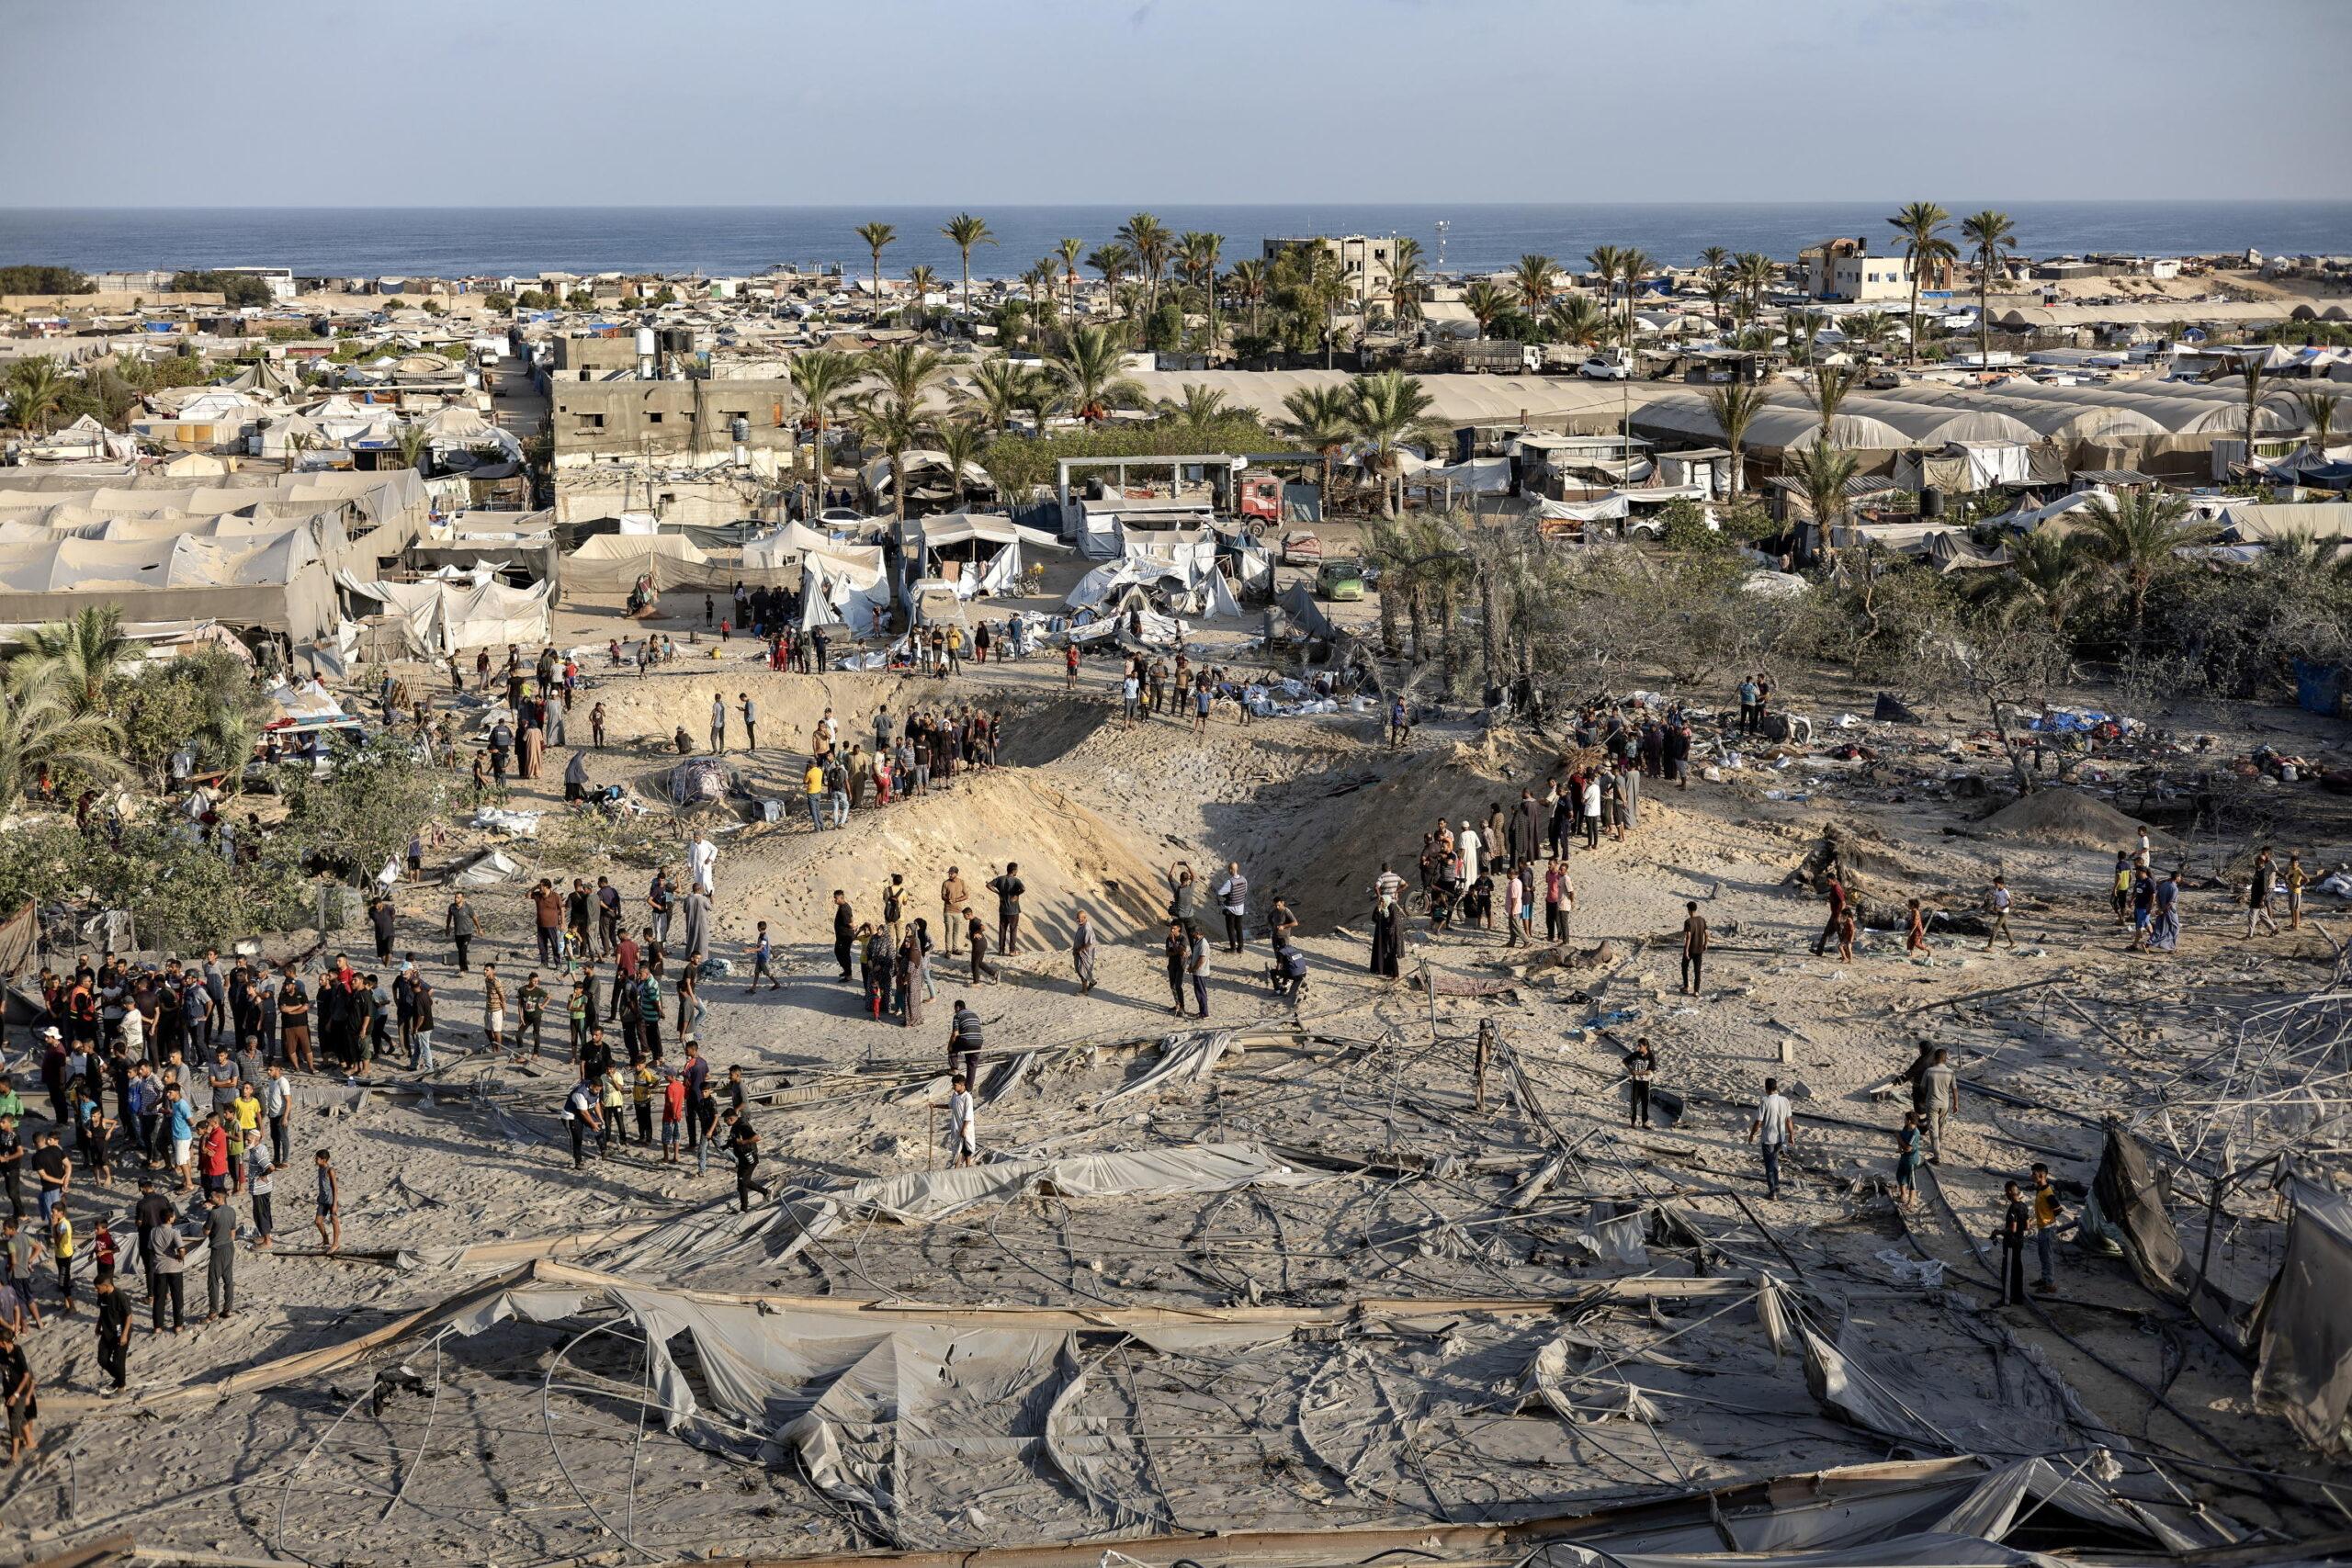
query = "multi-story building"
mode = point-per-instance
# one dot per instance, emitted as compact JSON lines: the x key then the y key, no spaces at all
{"x":1844,"y":269}
{"x":1364,"y":260}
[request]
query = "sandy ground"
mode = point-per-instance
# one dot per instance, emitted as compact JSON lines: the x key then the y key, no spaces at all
{"x":1095,"y":811}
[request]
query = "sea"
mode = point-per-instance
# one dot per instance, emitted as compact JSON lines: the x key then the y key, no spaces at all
{"x":461,"y":241}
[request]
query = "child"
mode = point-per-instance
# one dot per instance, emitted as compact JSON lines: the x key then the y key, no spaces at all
{"x":1915,"y":934}
{"x":1907,"y":1161}
{"x":22,"y":1252}
{"x":61,"y":1247}
{"x":329,"y":1219}
{"x":1846,"y":934}
{"x":962,"y":1135}
{"x":762,"y":957}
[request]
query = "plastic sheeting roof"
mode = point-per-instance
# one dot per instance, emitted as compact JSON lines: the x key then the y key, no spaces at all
{"x":1454,"y":398}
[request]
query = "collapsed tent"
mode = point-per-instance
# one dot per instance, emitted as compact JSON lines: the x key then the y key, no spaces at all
{"x":2302,"y":1333}
{"x":612,"y":563}
{"x":440,"y":616}
{"x":1174,"y":574}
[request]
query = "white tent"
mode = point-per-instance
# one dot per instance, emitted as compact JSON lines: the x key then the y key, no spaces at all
{"x":988,"y":550}
{"x":443,"y":615}
{"x":844,"y":585}
{"x":1182,"y":572}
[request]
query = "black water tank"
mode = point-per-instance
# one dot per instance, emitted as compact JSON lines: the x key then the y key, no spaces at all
{"x":1931,"y":502}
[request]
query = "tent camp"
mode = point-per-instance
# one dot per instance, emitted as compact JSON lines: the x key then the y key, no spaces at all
{"x":929,"y":482}
{"x":976,"y":555}
{"x":846,"y":585}
{"x":271,"y":581}
{"x":612,"y":563}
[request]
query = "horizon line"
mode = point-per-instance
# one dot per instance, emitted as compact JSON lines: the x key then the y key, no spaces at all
{"x":1146,"y":206}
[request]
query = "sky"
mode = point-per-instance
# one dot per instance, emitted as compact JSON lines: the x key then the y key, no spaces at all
{"x":257,"y":103}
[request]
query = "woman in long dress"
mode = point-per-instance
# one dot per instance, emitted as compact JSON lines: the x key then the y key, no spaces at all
{"x":534,"y":746}
{"x":1387,"y":936}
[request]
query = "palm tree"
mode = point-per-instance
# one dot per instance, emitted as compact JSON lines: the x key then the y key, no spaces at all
{"x":1071,"y":252}
{"x":1405,"y":281}
{"x":1821,"y":471}
{"x":1148,"y":240}
{"x":2254,"y":394}
{"x":2049,"y":576}
{"x":896,"y":425}
{"x":1318,"y":420}
{"x":1830,"y":385}
{"x":905,"y":371}
{"x":1044,"y":281}
{"x":38,"y":725}
{"x":1871,"y":328}
{"x":964,"y":231}
{"x":1485,"y":301}
{"x":36,"y":391}
{"x":1325,"y":290}
{"x":2134,"y":536}
{"x":1920,"y":224}
{"x":1735,"y":405}
{"x":1537,"y":278}
{"x":1197,"y":255}
{"x":1714,"y":281}
{"x":878,"y":237}
{"x":1990,"y":234}
{"x":1633,"y":266}
{"x":823,"y":379}
{"x":84,"y":653}
{"x":922,"y":284}
{"x":1000,"y":388}
{"x":1755,"y":273}
{"x":1113,"y":261}
{"x":1087,"y":370}
{"x":411,"y":442}
{"x":1385,"y":408}
{"x":1246,"y":283}
{"x":1805,"y":334}
{"x":2319,"y":409}
{"x":961,"y":442}
{"x":1193,"y":416}
{"x":1576,"y":320}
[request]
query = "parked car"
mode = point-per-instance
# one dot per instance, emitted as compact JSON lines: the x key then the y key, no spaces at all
{"x":1607,"y":365}
{"x":1339,"y":581}
{"x":1301,"y":548}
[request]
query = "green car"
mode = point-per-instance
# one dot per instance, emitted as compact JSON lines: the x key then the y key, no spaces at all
{"x":1339,"y":580}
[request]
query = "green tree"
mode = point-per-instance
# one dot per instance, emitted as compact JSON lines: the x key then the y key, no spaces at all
{"x":1071,"y":252}
{"x":1247,"y":284}
{"x":897,"y":426}
{"x":1198,"y":253}
{"x":1385,"y":410}
{"x":21,"y":278}
{"x":36,"y":390}
{"x":1113,"y":261}
{"x":1990,"y":235}
{"x":1920,"y":226}
{"x":961,"y":442}
{"x":2137,"y":536}
{"x":412,"y":443}
{"x":499,"y":301}
{"x":2319,"y":412}
{"x":1484,"y":300}
{"x":2047,"y":580}
{"x":1147,"y":240}
{"x":963,"y":231}
{"x":1577,"y":321}
{"x":999,"y":389}
{"x":1821,"y":471}
{"x":824,"y":379}
{"x":878,"y":237}
{"x":2254,"y":394}
{"x":1089,"y":372}
{"x":1829,"y":386}
{"x":85,"y":653}
{"x":355,"y":818}
{"x":1405,"y":281}
{"x":1194,"y":413}
{"x":1714,"y":280}
{"x":1735,"y":405}
{"x":41,"y":726}
{"x":1537,"y":278}
{"x":1318,"y":420}
{"x":1755,"y":274}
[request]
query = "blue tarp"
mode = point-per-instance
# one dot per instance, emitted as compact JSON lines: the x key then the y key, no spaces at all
{"x":2319,"y":688}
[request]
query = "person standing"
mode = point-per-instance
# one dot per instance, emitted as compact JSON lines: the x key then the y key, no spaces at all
{"x":844,"y":934}
{"x":1008,"y":888}
{"x":2164,"y":924}
{"x":1082,"y":953}
{"x":1641,"y":1066}
{"x":2261,"y":887}
{"x":18,"y":1397}
{"x":1559,"y":901}
{"x":1694,"y":946}
{"x":953,"y":897}
{"x":2295,"y":878}
{"x":2047,"y":1213}
{"x":2121,"y":895}
{"x":1837,"y":912}
{"x":751,"y":712}
{"x":1907,"y":1161}
{"x":1772,"y":1130}
{"x":717,"y":725}
{"x":1997,"y":908}
{"x":2017,"y":1223}
{"x":1196,"y":966}
{"x":421,"y":1045}
{"x":743,"y":1145}
{"x":459,"y":925}
{"x":764,"y":963}
{"x":1233,"y":900}
{"x":963,"y":1128}
{"x":1937,"y":1099}
{"x":261,"y":1185}
{"x":328,"y":1221}
{"x":1915,"y":928}
{"x":220,"y":1256}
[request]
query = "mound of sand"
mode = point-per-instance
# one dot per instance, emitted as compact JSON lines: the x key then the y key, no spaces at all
{"x":2070,"y":816}
{"x":1069,"y":857}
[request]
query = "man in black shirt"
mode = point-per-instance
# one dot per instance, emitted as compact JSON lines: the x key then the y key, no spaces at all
{"x":1641,"y":1066}
{"x":151,"y":1213}
{"x":1008,"y":889}
{"x":16,"y":1395}
{"x":114,"y":1332}
{"x":844,"y":934}
{"x":743,"y":1142}
{"x":2017,"y":1223}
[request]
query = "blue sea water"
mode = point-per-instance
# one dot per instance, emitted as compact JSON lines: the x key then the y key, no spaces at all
{"x":474,"y":241}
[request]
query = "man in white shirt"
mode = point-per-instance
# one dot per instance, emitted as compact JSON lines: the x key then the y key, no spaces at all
{"x":718,"y":723}
{"x":1591,"y":803}
{"x":1997,"y":905}
{"x":1466,"y":845}
{"x":963,"y":1133}
{"x":702,"y":859}
{"x":1233,"y":899}
{"x":1774,"y":1128}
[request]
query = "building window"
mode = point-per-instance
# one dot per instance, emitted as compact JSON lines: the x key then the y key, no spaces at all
{"x":653,"y":418}
{"x":592,"y":422}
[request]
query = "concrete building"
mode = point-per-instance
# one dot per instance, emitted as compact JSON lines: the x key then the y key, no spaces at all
{"x":687,"y":421}
{"x":595,"y":356}
{"x":1844,"y":269}
{"x":1364,"y":260}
